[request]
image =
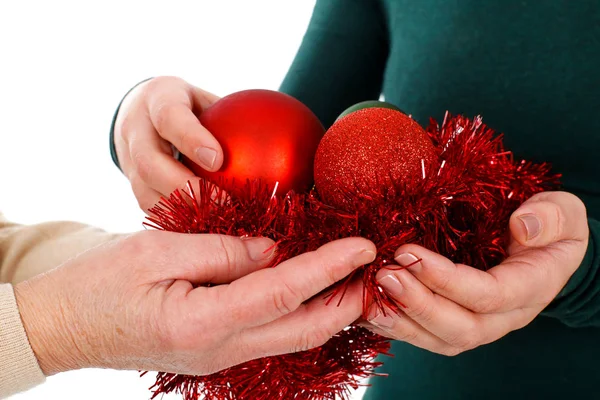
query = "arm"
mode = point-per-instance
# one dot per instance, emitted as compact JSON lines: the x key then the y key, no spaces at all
{"x":342,"y":58}
{"x":26,"y":251}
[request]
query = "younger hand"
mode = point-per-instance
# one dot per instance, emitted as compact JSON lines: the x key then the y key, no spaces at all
{"x":451,"y":308}
{"x":155,"y":115}
{"x":141,"y":303}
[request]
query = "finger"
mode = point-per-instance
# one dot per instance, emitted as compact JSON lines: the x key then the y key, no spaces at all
{"x":202,"y":99}
{"x":399,"y":326}
{"x":445,"y":319}
{"x":144,"y":194}
{"x":207,"y":258}
{"x":367,"y":325}
{"x":473,"y":289}
{"x":172,"y":114}
{"x":549,"y":217}
{"x":269,"y":294}
{"x":154,"y":163}
{"x":529,"y":278}
{"x":309,"y":326}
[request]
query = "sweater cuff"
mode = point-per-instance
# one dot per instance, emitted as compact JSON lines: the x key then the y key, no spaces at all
{"x":111,"y":135}
{"x":19,"y":368}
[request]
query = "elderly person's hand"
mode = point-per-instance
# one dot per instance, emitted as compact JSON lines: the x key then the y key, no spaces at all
{"x":142,"y":302}
{"x":155,"y":115}
{"x":451,"y":308}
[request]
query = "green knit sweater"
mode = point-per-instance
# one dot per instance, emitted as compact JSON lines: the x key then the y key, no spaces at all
{"x":531,"y":68}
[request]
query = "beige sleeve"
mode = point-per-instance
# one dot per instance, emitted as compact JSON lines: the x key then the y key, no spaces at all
{"x":26,"y":251}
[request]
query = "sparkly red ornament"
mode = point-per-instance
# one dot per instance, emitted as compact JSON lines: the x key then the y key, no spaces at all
{"x":371,"y":150}
{"x":265,"y":135}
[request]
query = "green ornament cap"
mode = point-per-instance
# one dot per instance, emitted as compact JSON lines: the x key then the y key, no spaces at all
{"x":369,"y":104}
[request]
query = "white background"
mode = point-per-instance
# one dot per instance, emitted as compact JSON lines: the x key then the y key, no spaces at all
{"x":64,"y":65}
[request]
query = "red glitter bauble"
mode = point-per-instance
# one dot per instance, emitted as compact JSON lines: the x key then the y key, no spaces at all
{"x":265,"y":135}
{"x":372,"y":150}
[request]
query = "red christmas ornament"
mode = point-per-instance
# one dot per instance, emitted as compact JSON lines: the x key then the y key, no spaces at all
{"x":371,"y":149}
{"x":265,"y":135}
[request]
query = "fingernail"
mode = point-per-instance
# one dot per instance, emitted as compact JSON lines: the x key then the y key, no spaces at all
{"x":206,"y":156}
{"x":406,"y":259}
{"x":382,"y":321}
{"x":259,"y":248}
{"x":391,"y":285}
{"x":532,"y":224}
{"x":368,"y":256}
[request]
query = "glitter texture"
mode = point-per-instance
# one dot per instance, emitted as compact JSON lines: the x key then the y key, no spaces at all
{"x":369,"y":149}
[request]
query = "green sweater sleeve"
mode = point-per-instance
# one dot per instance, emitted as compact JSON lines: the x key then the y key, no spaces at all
{"x":342,"y":58}
{"x":578,"y":304}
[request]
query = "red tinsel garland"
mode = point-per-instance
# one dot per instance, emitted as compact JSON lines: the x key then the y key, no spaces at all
{"x":460,"y":208}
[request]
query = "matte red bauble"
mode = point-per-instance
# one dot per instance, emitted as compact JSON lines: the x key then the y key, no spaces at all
{"x":371,"y":151}
{"x":265,"y":135}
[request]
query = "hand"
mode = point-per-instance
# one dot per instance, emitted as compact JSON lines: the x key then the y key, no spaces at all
{"x":138,"y":303}
{"x":451,"y":308}
{"x":155,"y":115}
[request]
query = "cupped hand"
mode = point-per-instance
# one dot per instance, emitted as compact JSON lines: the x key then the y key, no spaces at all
{"x":142,"y":302}
{"x":451,"y":308}
{"x":157,"y":116}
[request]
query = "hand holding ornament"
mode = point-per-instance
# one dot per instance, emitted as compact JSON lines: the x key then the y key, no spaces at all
{"x":189,"y":304}
{"x":153,"y":117}
{"x":450,"y":308}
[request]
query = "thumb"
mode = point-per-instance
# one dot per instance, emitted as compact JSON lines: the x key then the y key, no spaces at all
{"x":549,"y":217}
{"x":211,"y":258}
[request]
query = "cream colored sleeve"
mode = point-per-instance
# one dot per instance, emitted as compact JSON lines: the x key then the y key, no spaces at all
{"x":26,"y":251}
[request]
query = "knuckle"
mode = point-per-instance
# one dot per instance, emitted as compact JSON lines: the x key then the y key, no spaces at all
{"x":422,"y":312}
{"x":142,"y":166}
{"x":124,"y":128}
{"x":409,"y":336}
{"x":285,"y":299}
{"x":311,"y":338}
{"x":327,"y":267}
{"x":227,"y":256}
{"x":154,"y":243}
{"x":165,"y":113}
{"x":134,"y":244}
{"x":161,"y":81}
{"x":441,"y":283}
{"x":559,"y":222}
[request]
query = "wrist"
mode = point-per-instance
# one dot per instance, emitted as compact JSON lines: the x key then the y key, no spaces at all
{"x":48,"y":323}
